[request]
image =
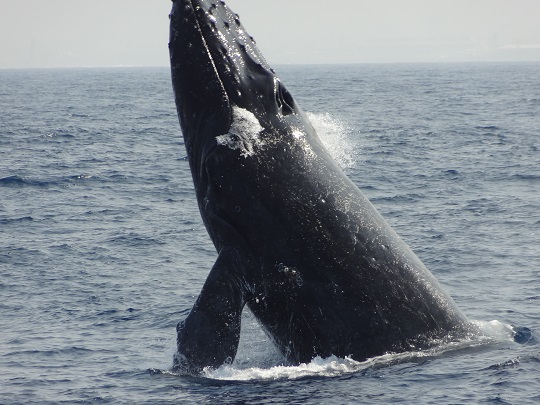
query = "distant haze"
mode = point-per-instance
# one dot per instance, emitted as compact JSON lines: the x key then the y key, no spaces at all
{"x":72,"y":33}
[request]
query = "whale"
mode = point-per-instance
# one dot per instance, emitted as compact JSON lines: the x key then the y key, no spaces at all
{"x":297,"y":242}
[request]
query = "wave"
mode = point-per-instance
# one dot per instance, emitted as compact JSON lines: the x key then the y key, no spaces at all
{"x":488,"y":127}
{"x":527,"y":177}
{"x":71,"y":351}
{"x":8,"y":221}
{"x":60,"y":135}
{"x":21,"y":181}
{"x":136,"y":240}
{"x":400,"y":198}
{"x":11,"y":181}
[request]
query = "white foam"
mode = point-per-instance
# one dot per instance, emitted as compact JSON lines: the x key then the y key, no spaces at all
{"x":495,"y":330}
{"x":332,"y":366}
{"x":243,"y":134}
{"x":491,"y":332}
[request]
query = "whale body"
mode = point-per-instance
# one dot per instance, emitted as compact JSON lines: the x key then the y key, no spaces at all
{"x":297,"y":241}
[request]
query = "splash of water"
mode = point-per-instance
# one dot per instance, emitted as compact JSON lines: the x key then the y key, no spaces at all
{"x":335,"y":135}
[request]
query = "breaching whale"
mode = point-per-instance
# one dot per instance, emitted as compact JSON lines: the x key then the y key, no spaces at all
{"x":297,"y":241}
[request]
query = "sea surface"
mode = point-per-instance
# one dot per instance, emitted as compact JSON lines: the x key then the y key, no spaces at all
{"x":103,"y":252}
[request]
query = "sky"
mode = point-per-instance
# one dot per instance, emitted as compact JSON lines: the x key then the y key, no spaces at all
{"x":77,"y":33}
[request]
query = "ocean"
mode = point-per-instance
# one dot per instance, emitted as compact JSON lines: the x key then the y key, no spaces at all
{"x":103,"y":252}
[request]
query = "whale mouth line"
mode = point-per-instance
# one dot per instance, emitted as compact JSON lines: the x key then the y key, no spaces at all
{"x":200,"y":23}
{"x":205,"y":25}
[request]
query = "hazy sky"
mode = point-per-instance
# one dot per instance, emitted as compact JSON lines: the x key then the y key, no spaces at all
{"x":53,"y":33}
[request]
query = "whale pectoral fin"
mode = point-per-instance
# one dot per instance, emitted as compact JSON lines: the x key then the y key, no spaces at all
{"x":209,"y":336}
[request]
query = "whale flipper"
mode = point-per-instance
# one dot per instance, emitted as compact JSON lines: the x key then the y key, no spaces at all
{"x":209,"y":336}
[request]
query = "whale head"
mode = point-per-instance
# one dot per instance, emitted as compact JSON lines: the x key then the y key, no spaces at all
{"x":216,"y":66}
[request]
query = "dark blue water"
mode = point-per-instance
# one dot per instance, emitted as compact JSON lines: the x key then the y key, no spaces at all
{"x":102,"y":250}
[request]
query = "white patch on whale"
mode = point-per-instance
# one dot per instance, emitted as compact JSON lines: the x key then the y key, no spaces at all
{"x":243,"y":134}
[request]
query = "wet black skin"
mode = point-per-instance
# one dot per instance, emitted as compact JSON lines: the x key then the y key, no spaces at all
{"x":298,"y":242}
